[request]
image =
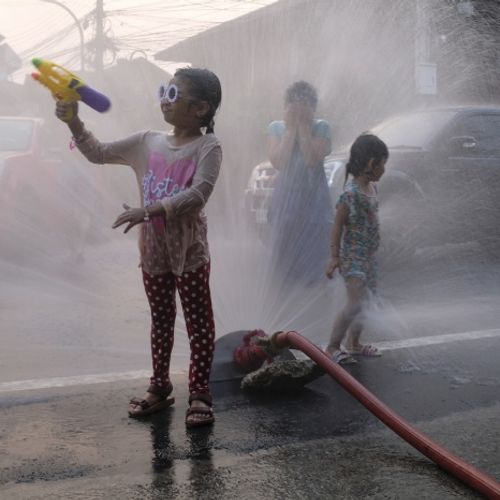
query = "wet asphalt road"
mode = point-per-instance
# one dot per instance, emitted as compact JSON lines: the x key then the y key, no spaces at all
{"x":77,"y":442}
{"x":314,"y":444}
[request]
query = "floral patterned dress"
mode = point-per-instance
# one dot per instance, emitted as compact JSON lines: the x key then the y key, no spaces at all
{"x":361,"y":237}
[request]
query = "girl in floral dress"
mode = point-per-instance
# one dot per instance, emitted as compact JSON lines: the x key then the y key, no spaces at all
{"x":354,"y":242}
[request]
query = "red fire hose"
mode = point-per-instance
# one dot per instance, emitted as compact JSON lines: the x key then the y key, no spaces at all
{"x":446,"y":460}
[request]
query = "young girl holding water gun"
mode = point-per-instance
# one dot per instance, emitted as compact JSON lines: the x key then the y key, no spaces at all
{"x":355,"y":239}
{"x":176,"y":174}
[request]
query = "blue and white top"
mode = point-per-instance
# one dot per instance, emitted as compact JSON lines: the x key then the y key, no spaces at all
{"x":301,"y":190}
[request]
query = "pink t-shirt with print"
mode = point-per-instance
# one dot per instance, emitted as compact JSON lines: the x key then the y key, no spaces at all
{"x":182,"y":179}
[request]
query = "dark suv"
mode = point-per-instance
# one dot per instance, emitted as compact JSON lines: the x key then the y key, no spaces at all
{"x":442,"y":181}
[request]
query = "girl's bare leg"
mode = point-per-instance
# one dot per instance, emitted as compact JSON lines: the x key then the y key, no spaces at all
{"x":356,"y":290}
{"x":353,"y":335}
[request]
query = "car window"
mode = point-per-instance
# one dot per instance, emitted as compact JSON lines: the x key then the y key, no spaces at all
{"x":485,"y":128}
{"x":15,"y":135}
{"x":51,"y":145}
{"x":415,"y":130}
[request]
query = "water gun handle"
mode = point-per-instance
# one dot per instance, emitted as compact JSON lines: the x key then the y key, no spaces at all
{"x":69,"y":114}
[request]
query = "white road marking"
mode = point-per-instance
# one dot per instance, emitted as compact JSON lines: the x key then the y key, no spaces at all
{"x":47,"y":383}
{"x":437,"y":339}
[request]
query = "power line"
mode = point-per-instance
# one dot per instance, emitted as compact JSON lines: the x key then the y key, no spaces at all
{"x":142,"y":27}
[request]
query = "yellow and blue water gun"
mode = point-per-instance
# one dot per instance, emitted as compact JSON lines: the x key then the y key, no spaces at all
{"x":68,"y":87}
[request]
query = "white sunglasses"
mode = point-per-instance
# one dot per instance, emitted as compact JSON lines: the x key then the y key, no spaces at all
{"x":170,"y":93}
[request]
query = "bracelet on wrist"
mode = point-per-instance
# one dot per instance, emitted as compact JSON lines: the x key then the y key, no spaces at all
{"x":147,"y":217}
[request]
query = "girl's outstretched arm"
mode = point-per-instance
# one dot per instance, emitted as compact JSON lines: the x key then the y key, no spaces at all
{"x":337,"y":230}
{"x":76,"y":126}
{"x":124,"y":152}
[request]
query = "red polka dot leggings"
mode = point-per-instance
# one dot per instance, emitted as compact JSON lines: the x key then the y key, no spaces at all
{"x":194,"y":292}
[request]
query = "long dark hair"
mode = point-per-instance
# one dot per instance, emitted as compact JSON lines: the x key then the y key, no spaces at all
{"x":363,"y":149}
{"x":204,"y":85}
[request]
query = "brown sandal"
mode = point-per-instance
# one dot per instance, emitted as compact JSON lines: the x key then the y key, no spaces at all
{"x":204,"y":414}
{"x":148,"y":408}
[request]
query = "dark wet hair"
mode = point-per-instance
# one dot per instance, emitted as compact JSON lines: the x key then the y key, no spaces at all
{"x":363,"y":149}
{"x":204,"y":86}
{"x":302,"y":91}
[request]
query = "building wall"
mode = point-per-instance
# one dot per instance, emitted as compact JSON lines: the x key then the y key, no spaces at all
{"x":358,"y":53}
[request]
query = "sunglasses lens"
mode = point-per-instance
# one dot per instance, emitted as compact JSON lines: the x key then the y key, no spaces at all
{"x":172,"y":93}
{"x":161,"y":92}
{"x":168,"y":93}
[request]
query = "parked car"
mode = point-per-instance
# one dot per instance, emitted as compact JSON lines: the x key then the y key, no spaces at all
{"x":47,"y":193}
{"x":27,"y":165}
{"x":258,"y":194}
{"x":259,"y":190}
{"x":442,"y":181}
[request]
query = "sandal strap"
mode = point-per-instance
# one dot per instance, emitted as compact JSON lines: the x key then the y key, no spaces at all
{"x":202,"y":410}
{"x":342,"y":357}
{"x":140,"y":402}
{"x":368,"y":349}
{"x":205,"y":397}
{"x":161,"y":391}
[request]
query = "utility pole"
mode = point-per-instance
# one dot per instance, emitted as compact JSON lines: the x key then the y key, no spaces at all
{"x":99,"y":36}
{"x":425,"y":70}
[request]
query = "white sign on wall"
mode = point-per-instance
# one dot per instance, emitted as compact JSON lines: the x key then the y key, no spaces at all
{"x":426,"y":82}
